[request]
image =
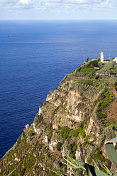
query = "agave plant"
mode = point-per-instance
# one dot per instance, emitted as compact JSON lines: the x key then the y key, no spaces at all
{"x":91,"y":170}
{"x":11,"y":173}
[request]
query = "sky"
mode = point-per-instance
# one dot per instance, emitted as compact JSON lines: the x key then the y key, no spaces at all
{"x":58,"y":9}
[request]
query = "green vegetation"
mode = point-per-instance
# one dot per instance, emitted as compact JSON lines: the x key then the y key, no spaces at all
{"x":87,"y":59}
{"x":97,"y":156}
{"x":67,"y":132}
{"x":114,"y":124}
{"x":101,"y":115}
{"x":58,"y":146}
{"x":115,"y":85}
{"x":38,"y":118}
{"x":102,"y":169}
{"x":104,"y":100}
{"x":94,"y":63}
{"x":72,"y":149}
{"x":87,"y":70}
{"x":109,"y":68}
{"x":64,"y":131}
{"x":87,"y":82}
{"x":78,"y":131}
{"x":31,"y":131}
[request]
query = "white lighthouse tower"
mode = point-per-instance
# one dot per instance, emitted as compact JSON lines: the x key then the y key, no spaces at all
{"x":102,"y":56}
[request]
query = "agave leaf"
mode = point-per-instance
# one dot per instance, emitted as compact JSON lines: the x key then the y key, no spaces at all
{"x":72,"y":166}
{"x":75,"y":163}
{"x":105,"y":168}
{"x":11,"y":172}
{"x":82,"y":164}
{"x":112,"y":140}
{"x":110,"y":151}
{"x":91,"y":171}
{"x":95,"y":164}
{"x":57,"y":173}
{"x":99,"y":173}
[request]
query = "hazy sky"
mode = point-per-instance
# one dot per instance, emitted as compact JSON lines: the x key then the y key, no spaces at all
{"x":58,"y":9}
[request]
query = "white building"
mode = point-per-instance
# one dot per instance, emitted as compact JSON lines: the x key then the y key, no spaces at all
{"x":115,"y":59}
{"x":106,"y":61}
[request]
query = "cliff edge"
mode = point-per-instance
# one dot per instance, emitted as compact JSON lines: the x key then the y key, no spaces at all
{"x":76,"y":119}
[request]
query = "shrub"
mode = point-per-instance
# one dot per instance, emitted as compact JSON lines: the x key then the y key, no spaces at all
{"x":78,"y":131}
{"x":87,"y":81}
{"x":111,"y":123}
{"x":98,"y":156}
{"x":38,"y":118}
{"x":87,"y":70}
{"x":104,"y":100}
{"x":58,"y":146}
{"x":115,"y":85}
{"x":75,"y":133}
{"x":101,"y":115}
{"x":72,"y":149}
{"x":87,"y":59}
{"x":93,"y":63}
{"x":31,"y":131}
{"x":65,"y":130}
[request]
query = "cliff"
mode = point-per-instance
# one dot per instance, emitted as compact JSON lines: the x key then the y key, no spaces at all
{"x":76,"y":119}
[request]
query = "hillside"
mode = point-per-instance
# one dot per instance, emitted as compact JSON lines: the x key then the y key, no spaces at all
{"x":76,"y":119}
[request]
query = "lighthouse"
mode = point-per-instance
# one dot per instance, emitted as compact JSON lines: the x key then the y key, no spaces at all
{"x":102,"y":56}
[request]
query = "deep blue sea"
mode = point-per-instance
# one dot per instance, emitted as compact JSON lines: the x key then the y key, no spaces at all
{"x":34,"y":58}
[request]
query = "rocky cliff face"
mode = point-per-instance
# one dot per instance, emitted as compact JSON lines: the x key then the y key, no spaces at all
{"x":75,"y":120}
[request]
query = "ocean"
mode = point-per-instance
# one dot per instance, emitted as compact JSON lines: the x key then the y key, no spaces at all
{"x":35,"y":56}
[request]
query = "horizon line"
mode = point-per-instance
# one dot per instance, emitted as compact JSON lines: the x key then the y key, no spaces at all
{"x":58,"y":19}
